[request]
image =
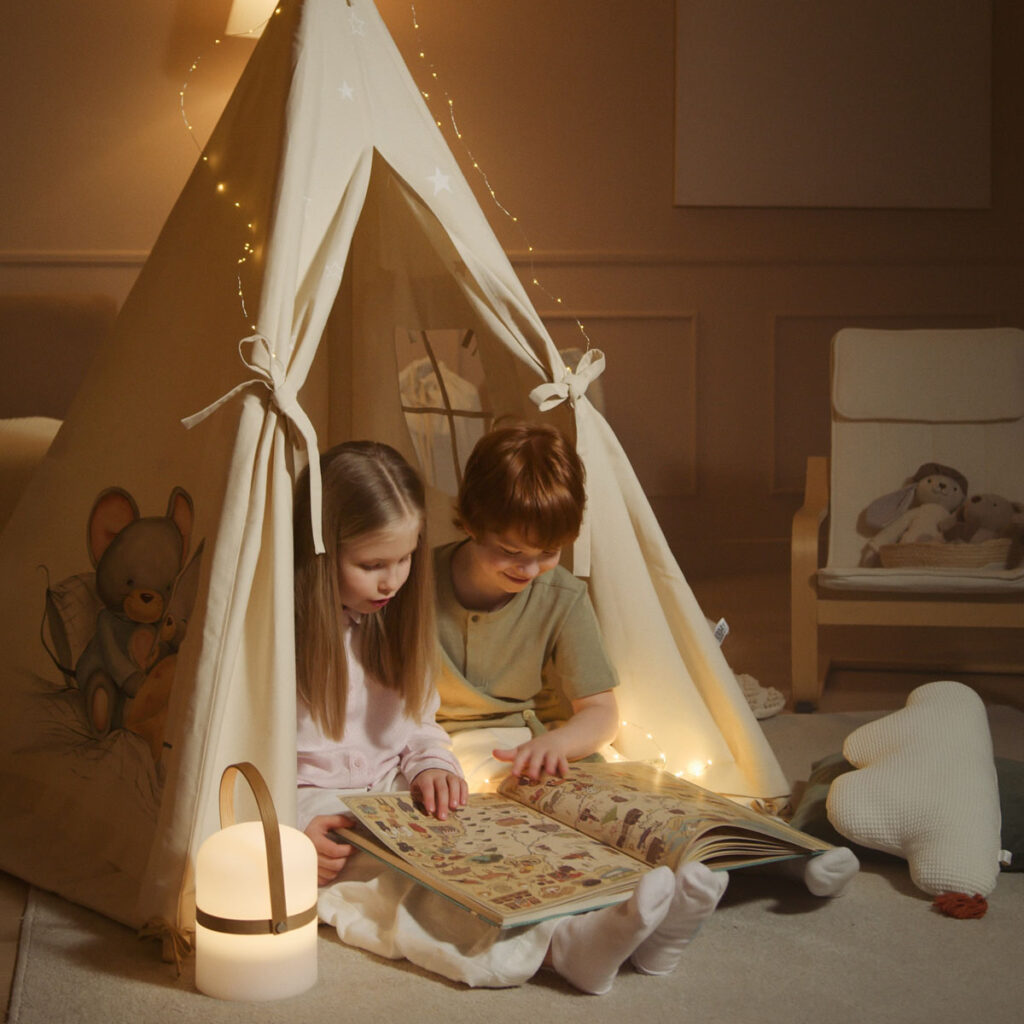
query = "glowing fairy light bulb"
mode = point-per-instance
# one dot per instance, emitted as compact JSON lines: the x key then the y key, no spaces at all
{"x":696,"y":769}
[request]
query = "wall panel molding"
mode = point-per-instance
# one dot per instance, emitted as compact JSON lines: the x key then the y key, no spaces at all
{"x":72,"y":258}
{"x":523,"y":260}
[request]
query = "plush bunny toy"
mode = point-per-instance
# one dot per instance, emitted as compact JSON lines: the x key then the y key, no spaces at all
{"x":921,"y":512}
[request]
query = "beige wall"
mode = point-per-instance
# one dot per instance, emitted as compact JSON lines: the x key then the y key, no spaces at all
{"x":716,"y":321}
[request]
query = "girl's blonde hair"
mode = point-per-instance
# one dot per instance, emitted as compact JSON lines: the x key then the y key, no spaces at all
{"x":524,"y":477}
{"x":367,"y":487}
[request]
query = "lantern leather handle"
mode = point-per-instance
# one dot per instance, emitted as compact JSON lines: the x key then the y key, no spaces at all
{"x":271,"y":833}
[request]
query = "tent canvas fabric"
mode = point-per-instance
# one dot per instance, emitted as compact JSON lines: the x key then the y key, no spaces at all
{"x":328,"y":176}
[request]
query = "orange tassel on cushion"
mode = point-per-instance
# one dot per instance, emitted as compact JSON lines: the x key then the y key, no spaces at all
{"x":959,"y":904}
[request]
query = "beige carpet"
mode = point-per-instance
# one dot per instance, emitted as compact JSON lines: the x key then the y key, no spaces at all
{"x":771,"y":953}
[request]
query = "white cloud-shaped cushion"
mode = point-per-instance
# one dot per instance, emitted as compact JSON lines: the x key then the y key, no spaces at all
{"x":926,"y":790}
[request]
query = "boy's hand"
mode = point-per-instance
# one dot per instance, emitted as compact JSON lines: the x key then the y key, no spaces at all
{"x":330,"y":854}
{"x":594,"y":722}
{"x":439,"y":791}
{"x":541,"y":754}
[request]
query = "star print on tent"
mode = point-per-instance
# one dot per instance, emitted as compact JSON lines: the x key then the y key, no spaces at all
{"x":440,"y":181}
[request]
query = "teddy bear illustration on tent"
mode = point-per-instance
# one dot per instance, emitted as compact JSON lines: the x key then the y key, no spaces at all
{"x":327,"y":196}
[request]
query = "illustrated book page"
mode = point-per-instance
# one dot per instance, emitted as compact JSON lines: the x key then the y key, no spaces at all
{"x":501,"y":860}
{"x":659,"y":818}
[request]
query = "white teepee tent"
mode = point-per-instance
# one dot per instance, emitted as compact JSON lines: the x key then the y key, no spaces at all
{"x":328,"y":175}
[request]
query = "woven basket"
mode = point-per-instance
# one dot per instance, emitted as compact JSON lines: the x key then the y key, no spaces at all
{"x":988,"y":553}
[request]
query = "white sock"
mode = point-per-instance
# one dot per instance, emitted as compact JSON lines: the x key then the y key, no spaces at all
{"x":697,"y":892}
{"x":588,"y":949}
{"x":828,"y":873}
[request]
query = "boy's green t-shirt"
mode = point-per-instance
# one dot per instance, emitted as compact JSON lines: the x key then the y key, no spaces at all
{"x":537,"y":653}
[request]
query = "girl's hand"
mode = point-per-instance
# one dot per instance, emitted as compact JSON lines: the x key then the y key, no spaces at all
{"x":330,"y":854}
{"x":440,"y":791}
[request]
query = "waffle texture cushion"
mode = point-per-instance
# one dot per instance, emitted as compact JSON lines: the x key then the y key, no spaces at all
{"x":925,"y":789}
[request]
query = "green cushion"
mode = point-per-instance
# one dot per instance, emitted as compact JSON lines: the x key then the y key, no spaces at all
{"x":1011,"y":806}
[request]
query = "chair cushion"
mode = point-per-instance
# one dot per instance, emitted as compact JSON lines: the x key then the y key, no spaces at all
{"x":924,"y":580}
{"x":929,"y":376}
{"x":926,"y":790}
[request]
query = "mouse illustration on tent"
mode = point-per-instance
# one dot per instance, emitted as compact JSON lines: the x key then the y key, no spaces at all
{"x":122,"y":626}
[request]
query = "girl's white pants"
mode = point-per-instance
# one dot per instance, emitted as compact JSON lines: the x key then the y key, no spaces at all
{"x":375,"y":907}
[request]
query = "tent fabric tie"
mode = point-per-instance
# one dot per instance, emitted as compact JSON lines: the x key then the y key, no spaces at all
{"x":571,"y":387}
{"x":272,"y":375}
{"x":573,"y":384}
{"x":176,"y":945}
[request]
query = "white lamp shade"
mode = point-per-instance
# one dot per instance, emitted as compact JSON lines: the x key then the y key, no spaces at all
{"x":231,"y":883}
{"x":248,"y":17}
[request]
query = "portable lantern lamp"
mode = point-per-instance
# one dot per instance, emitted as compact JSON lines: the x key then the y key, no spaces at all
{"x":256,"y":887}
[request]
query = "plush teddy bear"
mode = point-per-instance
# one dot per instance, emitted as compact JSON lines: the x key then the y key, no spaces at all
{"x":923,"y":511}
{"x":991,"y":517}
{"x":143,"y":589}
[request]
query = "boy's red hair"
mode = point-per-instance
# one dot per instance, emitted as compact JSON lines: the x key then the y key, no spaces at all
{"x":525,"y":478}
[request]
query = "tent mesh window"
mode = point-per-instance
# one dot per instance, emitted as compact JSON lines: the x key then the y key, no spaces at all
{"x":444,"y":400}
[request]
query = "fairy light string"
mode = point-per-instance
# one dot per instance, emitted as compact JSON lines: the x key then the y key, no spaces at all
{"x":695,"y":767}
{"x":221,"y":187}
{"x":248,"y":249}
{"x":189,"y":127}
{"x":431,"y":69}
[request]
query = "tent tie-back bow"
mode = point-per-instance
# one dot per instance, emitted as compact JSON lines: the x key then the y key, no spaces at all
{"x":271,"y":374}
{"x":573,"y":384}
{"x":571,"y":387}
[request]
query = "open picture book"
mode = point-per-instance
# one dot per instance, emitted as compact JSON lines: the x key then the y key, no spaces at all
{"x":537,"y":849}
